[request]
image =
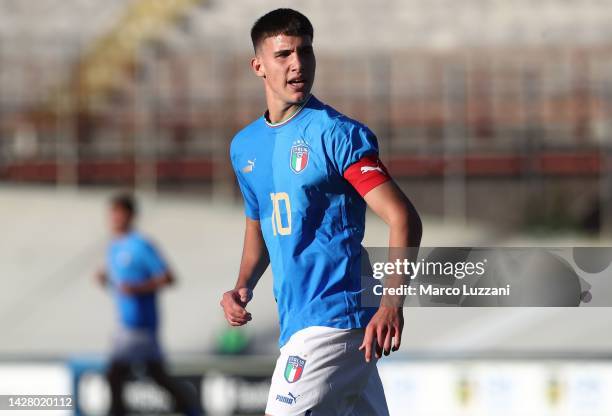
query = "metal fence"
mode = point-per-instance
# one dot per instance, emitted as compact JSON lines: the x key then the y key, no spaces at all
{"x":527,"y":115}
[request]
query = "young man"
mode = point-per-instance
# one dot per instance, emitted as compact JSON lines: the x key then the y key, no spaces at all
{"x":306,"y":173}
{"x":135,"y":271}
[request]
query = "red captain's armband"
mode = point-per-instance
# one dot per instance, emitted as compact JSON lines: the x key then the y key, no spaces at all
{"x":366,"y":174}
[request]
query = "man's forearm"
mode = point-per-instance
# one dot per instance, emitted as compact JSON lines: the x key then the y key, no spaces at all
{"x":150,"y":286}
{"x":255,"y":258}
{"x":252,"y":267}
{"x":405,"y":232}
{"x":405,"y":227}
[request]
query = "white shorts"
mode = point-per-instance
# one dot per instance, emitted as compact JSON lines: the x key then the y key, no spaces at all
{"x":135,"y":345}
{"x":321,"y":371}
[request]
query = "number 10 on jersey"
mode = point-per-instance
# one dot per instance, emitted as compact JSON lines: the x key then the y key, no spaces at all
{"x":277,"y":222}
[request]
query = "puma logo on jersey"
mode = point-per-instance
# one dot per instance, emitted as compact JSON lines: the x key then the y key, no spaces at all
{"x":249,"y":168}
{"x":366,"y":169}
{"x":289,"y":399}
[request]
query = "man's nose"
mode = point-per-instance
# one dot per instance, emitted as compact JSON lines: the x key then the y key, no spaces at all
{"x":297,"y":62}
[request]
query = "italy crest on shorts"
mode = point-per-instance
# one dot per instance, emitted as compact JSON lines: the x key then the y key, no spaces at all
{"x":299,"y":157}
{"x":294,"y":368}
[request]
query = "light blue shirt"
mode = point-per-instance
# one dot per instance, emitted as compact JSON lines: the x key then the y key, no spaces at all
{"x":132,"y":259}
{"x":312,"y":219}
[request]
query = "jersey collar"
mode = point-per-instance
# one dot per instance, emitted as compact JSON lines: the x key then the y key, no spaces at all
{"x":288,"y":119}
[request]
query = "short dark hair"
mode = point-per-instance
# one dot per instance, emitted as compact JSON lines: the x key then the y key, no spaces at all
{"x":125,"y":201}
{"x":280,"y":22}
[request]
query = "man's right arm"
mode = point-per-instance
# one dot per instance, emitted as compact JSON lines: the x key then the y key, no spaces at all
{"x":101,"y":276}
{"x":255,"y":261}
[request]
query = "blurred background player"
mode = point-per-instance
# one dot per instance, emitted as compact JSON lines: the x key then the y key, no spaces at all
{"x":135,"y":272}
{"x":306,"y":173}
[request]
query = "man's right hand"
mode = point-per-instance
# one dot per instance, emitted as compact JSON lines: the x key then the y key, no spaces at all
{"x":100,"y":277}
{"x":234,"y":303}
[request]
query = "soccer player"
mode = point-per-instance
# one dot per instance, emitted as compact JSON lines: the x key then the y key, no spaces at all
{"x":135,"y":272}
{"x":306,"y":173}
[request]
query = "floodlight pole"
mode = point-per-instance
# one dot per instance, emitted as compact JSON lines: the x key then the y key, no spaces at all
{"x":145,"y":140}
{"x":455,"y":143}
{"x":605,"y":180}
{"x":66,"y":141}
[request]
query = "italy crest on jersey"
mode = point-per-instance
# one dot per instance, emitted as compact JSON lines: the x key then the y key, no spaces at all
{"x":294,"y":368}
{"x":299,"y":158}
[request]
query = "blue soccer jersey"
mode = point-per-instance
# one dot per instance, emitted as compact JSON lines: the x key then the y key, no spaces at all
{"x":312,"y":219}
{"x":132,"y":260}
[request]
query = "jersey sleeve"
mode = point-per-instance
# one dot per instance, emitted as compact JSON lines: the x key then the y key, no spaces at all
{"x":153,"y":260}
{"x":251,"y":206}
{"x":351,"y":142}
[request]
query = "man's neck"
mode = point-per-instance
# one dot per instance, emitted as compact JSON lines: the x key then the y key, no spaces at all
{"x":278,"y":115}
{"x":279,"y":112}
{"x":118,"y":234}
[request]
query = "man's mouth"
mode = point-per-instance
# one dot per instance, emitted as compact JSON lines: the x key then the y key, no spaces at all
{"x":297,"y":83}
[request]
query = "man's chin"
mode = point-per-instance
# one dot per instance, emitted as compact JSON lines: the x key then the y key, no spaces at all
{"x":300,"y":97}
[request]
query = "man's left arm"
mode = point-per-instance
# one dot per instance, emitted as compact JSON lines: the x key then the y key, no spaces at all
{"x":370,"y":178}
{"x":159,"y":272}
{"x":355,"y":156}
{"x":150,"y":285}
{"x":395,"y":209}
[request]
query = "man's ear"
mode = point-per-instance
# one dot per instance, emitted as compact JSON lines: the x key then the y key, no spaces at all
{"x":257,"y":67}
